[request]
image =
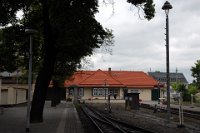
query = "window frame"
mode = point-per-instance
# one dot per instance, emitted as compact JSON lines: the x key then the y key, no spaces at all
{"x":99,"y":92}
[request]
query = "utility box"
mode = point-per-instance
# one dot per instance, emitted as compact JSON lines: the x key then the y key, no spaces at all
{"x":132,"y":101}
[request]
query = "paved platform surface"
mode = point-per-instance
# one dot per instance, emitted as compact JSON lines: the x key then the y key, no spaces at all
{"x":60,"y":119}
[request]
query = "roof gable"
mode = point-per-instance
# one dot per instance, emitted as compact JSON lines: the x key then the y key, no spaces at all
{"x":77,"y":77}
{"x":100,"y":78}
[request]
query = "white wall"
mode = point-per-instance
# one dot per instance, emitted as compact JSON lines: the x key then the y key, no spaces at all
{"x":145,"y":94}
{"x":10,"y":94}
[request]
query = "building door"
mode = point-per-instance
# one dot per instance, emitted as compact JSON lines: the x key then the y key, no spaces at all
{"x":155,"y":94}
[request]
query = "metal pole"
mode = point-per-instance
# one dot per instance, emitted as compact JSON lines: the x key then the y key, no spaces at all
{"x":182,"y":110}
{"x":192,"y":100}
{"x":0,"y":88}
{"x":17,"y":86}
{"x":75,"y":94}
{"x":105,"y":92}
{"x":158,"y":93}
{"x":29,"y":86}
{"x":106,"y":106}
{"x":109,"y":105}
{"x":176,"y":79}
{"x":105,"y":88}
{"x":181,"y":121}
{"x":167,"y":67}
{"x":1,"y":108}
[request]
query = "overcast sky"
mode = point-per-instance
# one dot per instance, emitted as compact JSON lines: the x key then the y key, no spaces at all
{"x":140,"y":44}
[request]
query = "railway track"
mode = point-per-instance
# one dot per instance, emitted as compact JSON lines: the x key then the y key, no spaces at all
{"x":186,"y":113}
{"x":106,"y":124}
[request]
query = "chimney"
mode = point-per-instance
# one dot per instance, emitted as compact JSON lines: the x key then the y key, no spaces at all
{"x":109,"y":70}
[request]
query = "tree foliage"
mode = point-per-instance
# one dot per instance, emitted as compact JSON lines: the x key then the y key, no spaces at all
{"x":67,"y":32}
{"x":8,"y":10}
{"x":175,"y":85}
{"x":147,"y":5}
{"x":192,"y":89}
{"x":196,"y":73}
{"x":185,"y":93}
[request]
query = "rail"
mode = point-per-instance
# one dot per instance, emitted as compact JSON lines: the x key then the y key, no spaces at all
{"x":107,"y":124}
{"x":186,"y":113}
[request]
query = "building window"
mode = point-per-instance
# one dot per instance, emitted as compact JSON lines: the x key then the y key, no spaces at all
{"x":80,"y":92}
{"x":95,"y":91}
{"x":71,"y":91}
{"x":99,"y":91}
{"x":113,"y":91}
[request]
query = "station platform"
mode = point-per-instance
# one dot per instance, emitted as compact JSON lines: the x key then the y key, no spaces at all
{"x":60,"y":119}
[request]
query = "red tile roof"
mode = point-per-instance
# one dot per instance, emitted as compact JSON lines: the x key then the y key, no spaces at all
{"x":134,"y":79}
{"x":130,"y":79}
{"x":100,"y":78}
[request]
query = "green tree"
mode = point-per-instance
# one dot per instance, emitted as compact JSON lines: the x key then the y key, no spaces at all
{"x":192,"y":89}
{"x":67,"y":32}
{"x":175,"y":85}
{"x":196,"y":73}
{"x":185,"y":94}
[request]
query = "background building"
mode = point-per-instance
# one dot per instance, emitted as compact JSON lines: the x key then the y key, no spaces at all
{"x":174,"y":77}
{"x":162,"y":80}
{"x":12,"y":91}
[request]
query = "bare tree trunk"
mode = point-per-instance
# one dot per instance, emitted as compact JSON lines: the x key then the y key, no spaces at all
{"x":45,"y":74}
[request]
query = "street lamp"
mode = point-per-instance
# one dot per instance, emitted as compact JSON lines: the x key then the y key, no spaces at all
{"x":30,"y":32}
{"x":105,"y":84}
{"x":17,"y":87}
{"x":167,"y":6}
{"x":0,"y":87}
{"x":158,"y":92}
{"x":1,"y":109}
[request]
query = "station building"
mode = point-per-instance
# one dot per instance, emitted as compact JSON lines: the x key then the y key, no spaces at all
{"x":96,"y":85}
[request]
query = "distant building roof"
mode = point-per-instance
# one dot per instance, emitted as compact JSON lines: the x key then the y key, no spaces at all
{"x":10,"y":78}
{"x":10,"y":74}
{"x":161,"y":77}
{"x":99,"y":78}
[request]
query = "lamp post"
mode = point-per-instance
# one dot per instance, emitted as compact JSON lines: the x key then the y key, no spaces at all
{"x":1,"y":109}
{"x":17,"y":82}
{"x":158,"y":92}
{"x":105,"y":84}
{"x":166,"y":7}
{"x":0,"y":87}
{"x":30,"y":32}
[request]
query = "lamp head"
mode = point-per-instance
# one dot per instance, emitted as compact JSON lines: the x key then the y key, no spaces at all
{"x":30,"y":31}
{"x":167,"y":6}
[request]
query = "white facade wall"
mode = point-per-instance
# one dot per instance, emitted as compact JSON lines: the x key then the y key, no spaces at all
{"x":4,"y":96}
{"x":11,"y":95}
{"x":145,"y":95}
{"x":21,"y":96}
